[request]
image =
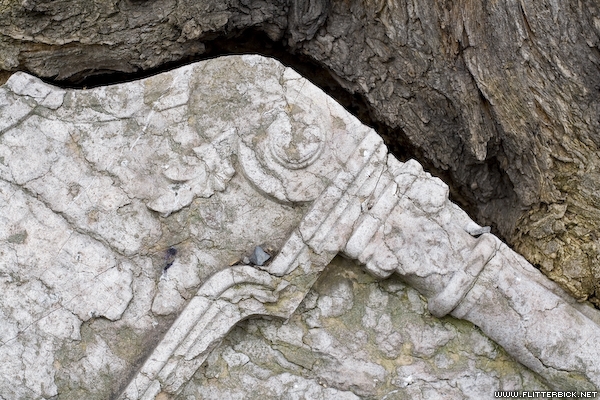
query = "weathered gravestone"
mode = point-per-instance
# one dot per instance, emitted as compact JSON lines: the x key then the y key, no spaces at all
{"x":131,"y":213}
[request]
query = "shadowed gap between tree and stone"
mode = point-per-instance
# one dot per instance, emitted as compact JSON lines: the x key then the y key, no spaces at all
{"x":252,"y":41}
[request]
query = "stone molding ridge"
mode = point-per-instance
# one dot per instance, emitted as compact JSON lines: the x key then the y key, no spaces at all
{"x":239,"y":292}
{"x":225,"y":299}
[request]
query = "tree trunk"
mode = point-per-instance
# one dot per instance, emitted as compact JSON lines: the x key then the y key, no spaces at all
{"x":501,"y":98}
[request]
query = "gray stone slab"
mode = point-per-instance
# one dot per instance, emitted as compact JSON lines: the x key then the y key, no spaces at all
{"x":126,"y":213}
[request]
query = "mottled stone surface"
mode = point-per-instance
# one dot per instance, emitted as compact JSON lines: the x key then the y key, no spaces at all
{"x":129,"y":215}
{"x":354,"y":337}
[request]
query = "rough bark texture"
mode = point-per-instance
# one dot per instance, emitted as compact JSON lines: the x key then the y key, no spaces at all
{"x":500,"y":98}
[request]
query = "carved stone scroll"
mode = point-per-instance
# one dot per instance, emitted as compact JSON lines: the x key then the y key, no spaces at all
{"x":144,"y":194}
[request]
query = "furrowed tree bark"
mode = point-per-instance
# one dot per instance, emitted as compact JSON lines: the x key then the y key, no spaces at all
{"x":500,"y":98}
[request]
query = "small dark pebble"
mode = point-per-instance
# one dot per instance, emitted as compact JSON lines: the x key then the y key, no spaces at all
{"x":170,"y":254}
